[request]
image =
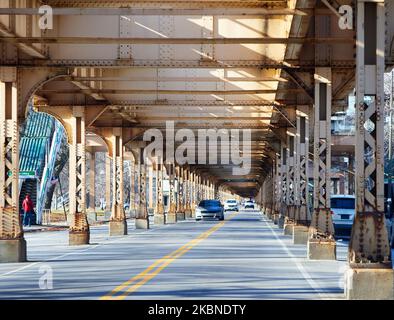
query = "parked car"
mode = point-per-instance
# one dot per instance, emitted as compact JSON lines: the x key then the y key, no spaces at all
{"x":231,"y":205}
{"x":210,"y":209}
{"x":343,"y":211}
{"x":249,"y":204}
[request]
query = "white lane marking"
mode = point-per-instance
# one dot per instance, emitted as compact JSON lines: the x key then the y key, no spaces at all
{"x":315,"y":286}
{"x":79,"y":251}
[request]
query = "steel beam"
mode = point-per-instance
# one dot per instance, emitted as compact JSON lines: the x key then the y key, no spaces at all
{"x":174,"y":41}
{"x":198,"y":11}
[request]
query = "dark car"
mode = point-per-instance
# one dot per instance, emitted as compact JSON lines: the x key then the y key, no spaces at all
{"x":210,"y":209}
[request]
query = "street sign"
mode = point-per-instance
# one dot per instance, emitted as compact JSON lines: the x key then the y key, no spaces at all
{"x":23,"y":173}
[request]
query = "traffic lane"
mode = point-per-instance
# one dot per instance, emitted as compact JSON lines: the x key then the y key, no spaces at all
{"x":242,"y":260}
{"x":91,"y":271}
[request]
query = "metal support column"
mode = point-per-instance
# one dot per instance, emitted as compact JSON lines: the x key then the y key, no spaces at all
{"x":180,"y":204}
{"x":159,"y":217}
{"x":302,"y":217}
{"x":188,"y":211}
{"x":370,"y":275}
{"x":142,"y":217}
{"x":278,"y":189}
{"x":290,"y":199}
{"x":171,"y":215}
{"x":321,"y":243}
{"x":107,"y":182}
{"x":132,"y":188}
{"x":92,"y":176}
{"x":79,"y":232}
{"x":12,"y":242}
{"x":283,"y":175}
{"x":117,"y":223}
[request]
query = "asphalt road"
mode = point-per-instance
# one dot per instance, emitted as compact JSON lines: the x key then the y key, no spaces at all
{"x":243,"y":257}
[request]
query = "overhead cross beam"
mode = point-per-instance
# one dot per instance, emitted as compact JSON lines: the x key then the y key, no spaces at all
{"x":178,"y":41}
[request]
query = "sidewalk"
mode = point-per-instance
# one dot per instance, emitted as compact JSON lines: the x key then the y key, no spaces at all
{"x":56,"y":227}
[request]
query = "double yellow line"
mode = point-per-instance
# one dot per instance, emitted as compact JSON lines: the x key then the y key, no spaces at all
{"x":154,"y":269}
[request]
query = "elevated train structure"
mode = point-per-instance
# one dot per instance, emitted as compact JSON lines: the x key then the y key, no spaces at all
{"x":279,"y":68}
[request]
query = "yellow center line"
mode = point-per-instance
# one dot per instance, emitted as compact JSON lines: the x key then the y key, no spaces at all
{"x":155,"y":268}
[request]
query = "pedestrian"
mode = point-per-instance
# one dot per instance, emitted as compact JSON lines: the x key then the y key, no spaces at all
{"x":28,"y":208}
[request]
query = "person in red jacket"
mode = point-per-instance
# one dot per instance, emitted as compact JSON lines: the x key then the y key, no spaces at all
{"x":28,"y":208}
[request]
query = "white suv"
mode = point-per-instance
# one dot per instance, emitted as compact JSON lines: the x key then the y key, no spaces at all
{"x":231,"y":205}
{"x":343,"y":211}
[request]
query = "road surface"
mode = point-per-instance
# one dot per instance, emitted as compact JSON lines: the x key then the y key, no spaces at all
{"x":244,"y":257}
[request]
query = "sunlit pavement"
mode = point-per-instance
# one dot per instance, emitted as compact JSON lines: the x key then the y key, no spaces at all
{"x":247,"y":257}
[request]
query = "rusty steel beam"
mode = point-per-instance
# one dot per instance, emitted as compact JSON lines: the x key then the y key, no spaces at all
{"x":178,"y":41}
{"x":250,"y":12}
{"x":158,"y":91}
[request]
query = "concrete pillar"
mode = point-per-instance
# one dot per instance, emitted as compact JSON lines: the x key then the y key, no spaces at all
{"x":159,"y":217}
{"x":321,"y":243}
{"x":142,"y":217}
{"x":12,"y":242}
{"x":370,"y":276}
{"x":79,"y":232}
{"x":171,"y":215}
{"x":117,"y":223}
{"x":107,"y":182}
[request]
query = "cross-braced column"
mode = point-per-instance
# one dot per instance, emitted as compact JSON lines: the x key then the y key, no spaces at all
{"x":290,"y":201}
{"x":321,"y":244}
{"x":12,"y":242}
{"x":171,"y":215}
{"x":193,"y":193}
{"x":188,"y":211}
{"x":180,"y":205}
{"x":370,"y":275}
{"x":132,"y":186}
{"x":198,"y":188}
{"x":117,"y":224}
{"x":92,"y":175}
{"x":107,"y":182}
{"x":300,"y":229}
{"x":277,"y":188}
{"x":301,"y":174}
{"x":150,"y":179}
{"x":142,"y":217}
{"x":79,"y":232}
{"x":159,"y":217}
{"x":283,"y":175}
